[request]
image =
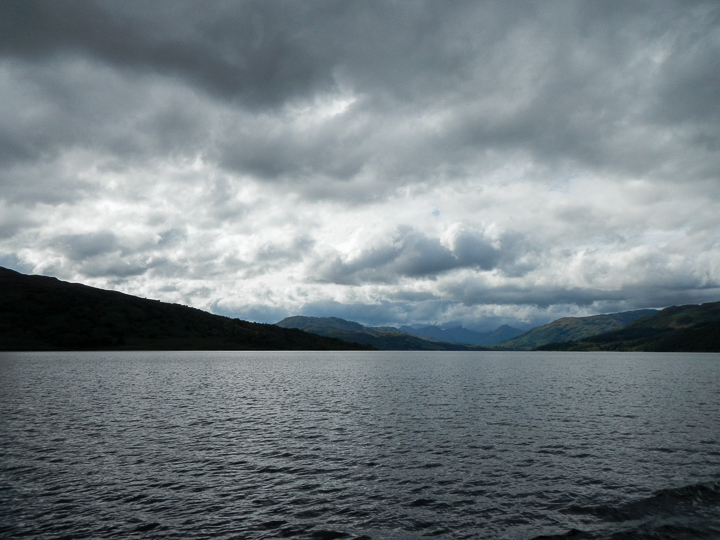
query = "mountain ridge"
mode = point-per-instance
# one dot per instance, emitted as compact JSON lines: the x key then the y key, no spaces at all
{"x":381,"y":337}
{"x":573,"y":329}
{"x":686,"y":328}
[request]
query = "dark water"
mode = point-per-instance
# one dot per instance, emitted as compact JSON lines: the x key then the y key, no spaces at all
{"x":348,"y":445}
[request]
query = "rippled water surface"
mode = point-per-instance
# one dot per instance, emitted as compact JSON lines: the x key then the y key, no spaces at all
{"x":348,"y":445}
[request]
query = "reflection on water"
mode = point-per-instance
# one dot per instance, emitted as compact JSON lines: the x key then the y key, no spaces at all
{"x":359,"y":444}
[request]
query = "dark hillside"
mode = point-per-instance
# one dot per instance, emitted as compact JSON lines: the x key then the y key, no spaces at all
{"x":574,"y":329}
{"x":690,"y":328}
{"x":43,"y":313}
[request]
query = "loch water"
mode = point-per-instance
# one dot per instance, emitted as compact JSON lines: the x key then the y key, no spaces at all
{"x":324,"y":445}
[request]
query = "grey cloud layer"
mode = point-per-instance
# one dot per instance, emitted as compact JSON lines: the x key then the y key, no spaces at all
{"x":392,"y":160}
{"x":559,"y":80}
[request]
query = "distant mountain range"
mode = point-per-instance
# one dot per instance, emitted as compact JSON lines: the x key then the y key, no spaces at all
{"x":385,"y":338}
{"x":458,"y":334}
{"x":692,"y":328}
{"x":43,"y":313}
{"x":573,"y":329}
{"x":568,"y":329}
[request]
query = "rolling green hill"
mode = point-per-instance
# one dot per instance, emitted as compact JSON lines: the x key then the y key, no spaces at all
{"x":43,"y":313}
{"x":573,"y":329}
{"x":691,"y":328}
{"x":385,"y":338}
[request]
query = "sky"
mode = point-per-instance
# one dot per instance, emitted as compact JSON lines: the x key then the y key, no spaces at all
{"x":427,"y":162}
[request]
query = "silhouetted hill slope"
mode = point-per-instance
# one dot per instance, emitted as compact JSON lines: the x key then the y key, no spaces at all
{"x":384,"y":338}
{"x":690,"y":328}
{"x":463,"y":335}
{"x":574,"y":329}
{"x":43,"y":313}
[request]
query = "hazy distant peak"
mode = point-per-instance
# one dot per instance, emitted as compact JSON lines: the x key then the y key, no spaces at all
{"x":460,"y":334}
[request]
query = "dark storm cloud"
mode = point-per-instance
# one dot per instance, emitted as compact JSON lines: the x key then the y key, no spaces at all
{"x":261,"y":52}
{"x":251,"y":50}
{"x":413,"y":254}
{"x":558,"y":80}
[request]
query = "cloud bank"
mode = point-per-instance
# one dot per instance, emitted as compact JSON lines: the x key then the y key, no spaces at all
{"x":391,"y":163}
